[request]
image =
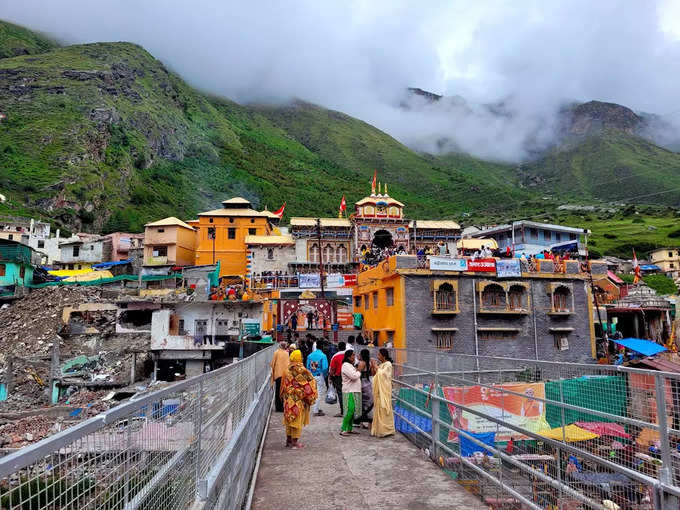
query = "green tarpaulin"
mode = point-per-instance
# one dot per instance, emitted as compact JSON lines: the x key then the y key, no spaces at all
{"x":601,"y":393}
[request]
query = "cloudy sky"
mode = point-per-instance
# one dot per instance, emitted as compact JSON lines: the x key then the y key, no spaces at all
{"x":358,"y":56}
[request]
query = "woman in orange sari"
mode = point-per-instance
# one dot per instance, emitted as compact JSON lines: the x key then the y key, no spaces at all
{"x":298,"y":392}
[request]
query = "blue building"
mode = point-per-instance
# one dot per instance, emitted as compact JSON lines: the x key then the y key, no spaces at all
{"x":17,"y":263}
{"x":531,"y":238}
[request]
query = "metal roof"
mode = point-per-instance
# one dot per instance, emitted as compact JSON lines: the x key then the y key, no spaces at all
{"x":435,"y":224}
{"x":168,"y":222}
{"x":282,"y":239}
{"x":531,"y":224}
{"x":325,"y":222}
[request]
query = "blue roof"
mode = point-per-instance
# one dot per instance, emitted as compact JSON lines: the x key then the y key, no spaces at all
{"x":650,"y":267}
{"x":645,"y":347}
{"x":105,"y":265}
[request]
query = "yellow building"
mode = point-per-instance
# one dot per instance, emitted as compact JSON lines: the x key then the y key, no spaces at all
{"x":668,"y":259}
{"x":169,"y":241}
{"x":221,"y":235}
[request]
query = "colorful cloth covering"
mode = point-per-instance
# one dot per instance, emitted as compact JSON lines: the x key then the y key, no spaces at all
{"x":298,"y":391}
{"x":383,"y":415}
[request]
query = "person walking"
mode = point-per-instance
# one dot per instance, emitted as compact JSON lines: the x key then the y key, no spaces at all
{"x":294,"y":322}
{"x":351,"y":392}
{"x":317,"y":364}
{"x":369,"y":369}
{"x":298,"y":391}
{"x":336,"y":376}
{"x":310,"y":320}
{"x":383,"y":415}
{"x":279,"y":365}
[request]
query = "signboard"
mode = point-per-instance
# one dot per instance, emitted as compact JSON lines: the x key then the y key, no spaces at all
{"x":448,"y":264}
{"x":309,"y":281}
{"x":522,"y":412}
{"x":350,"y":280}
{"x":482,"y":265}
{"x":336,"y":280}
{"x":510,"y":268}
{"x":250,"y":327}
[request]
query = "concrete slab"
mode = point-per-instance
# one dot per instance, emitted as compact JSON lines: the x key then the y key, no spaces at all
{"x":337,"y":473}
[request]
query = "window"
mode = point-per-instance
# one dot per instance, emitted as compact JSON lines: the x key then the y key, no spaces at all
{"x":533,"y":233}
{"x":91,"y":247}
{"x":252,"y":231}
{"x":10,"y":236}
{"x":445,"y":298}
{"x":231,"y":233}
{"x":160,"y":251}
{"x":69,"y":267}
{"x":376,"y":338}
{"x":314,"y":253}
{"x":270,"y":253}
{"x":389,"y":296}
{"x":561,"y":341}
{"x":3,"y":270}
{"x":341,"y":254}
{"x":561,"y":300}
{"x":670,"y":254}
{"x":672,"y":265}
{"x":367,"y":303}
{"x":231,"y":220}
{"x":161,"y":230}
{"x":496,"y":335}
{"x":357,"y":301}
{"x":41,"y":244}
{"x":22,"y":271}
{"x":182,"y":331}
{"x":375,"y":300}
{"x":558,"y":237}
{"x":76,"y":251}
{"x":572,"y":237}
{"x":210,"y":220}
{"x":443,"y":340}
{"x":390,"y":338}
{"x":517,"y":298}
{"x":493,"y":297}
{"x":328,"y":254}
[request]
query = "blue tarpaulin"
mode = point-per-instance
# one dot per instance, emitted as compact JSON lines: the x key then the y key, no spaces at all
{"x":645,"y":347}
{"x":650,"y":267}
{"x":106,"y":265}
{"x":468,"y":448}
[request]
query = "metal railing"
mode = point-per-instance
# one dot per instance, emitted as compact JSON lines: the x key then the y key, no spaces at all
{"x":193,"y":443}
{"x":534,"y":434}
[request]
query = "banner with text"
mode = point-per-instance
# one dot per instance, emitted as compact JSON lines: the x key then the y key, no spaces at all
{"x":520,"y":411}
{"x":511,"y":268}
{"x":448,"y":264}
{"x":482,"y":265}
{"x":309,"y":280}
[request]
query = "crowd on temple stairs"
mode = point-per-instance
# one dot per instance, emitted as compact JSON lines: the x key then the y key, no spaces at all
{"x":307,"y":371}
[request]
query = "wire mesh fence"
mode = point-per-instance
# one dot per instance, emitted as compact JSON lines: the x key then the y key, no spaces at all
{"x":166,"y":450}
{"x":535,"y":434}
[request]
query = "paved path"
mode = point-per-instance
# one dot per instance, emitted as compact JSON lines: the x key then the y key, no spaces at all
{"x":362,"y":472}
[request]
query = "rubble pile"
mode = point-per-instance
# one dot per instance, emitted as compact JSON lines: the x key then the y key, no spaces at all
{"x":31,"y":324}
{"x":25,"y":431}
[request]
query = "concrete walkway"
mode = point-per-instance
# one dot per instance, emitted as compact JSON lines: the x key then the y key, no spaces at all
{"x":337,"y":473}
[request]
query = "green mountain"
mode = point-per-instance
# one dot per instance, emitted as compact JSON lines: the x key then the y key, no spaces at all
{"x":103,"y":137}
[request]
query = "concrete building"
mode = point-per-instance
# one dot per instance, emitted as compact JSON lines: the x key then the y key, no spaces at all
{"x":269,"y":260}
{"x":169,"y":242}
{"x":122,"y":243}
{"x":36,"y":234}
{"x":668,"y":260}
{"x":17,"y":262}
{"x":530,"y":237}
{"x":84,"y":253}
{"x":192,"y":336}
{"x":221,"y":235}
{"x":496,"y":308}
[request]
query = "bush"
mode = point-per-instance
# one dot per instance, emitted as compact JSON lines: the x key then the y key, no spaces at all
{"x":674,"y":233}
{"x":662,"y":284}
{"x":638,"y":219}
{"x":609,"y":236}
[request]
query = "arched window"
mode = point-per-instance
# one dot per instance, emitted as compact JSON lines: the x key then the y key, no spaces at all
{"x":314,"y":253}
{"x":328,"y":254}
{"x":517,"y":298}
{"x":369,"y":210}
{"x":270,"y":253}
{"x":341,"y":254}
{"x":561,"y":300}
{"x":394,"y":211}
{"x":445,"y":298}
{"x":493,"y":297}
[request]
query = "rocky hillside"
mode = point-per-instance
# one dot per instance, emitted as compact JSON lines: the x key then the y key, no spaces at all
{"x":16,"y":40}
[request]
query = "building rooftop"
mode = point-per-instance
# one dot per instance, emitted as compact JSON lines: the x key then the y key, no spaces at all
{"x":374,"y":199}
{"x":236,"y":202}
{"x":325,"y":222}
{"x":273,"y":240}
{"x":243,"y":212}
{"x":435,"y":224}
{"x":531,"y":224}
{"x":167,"y":222}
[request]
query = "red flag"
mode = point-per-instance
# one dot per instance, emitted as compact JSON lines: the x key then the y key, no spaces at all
{"x":343,"y":204}
{"x":636,"y":268}
{"x":279,"y":213}
{"x":373,"y":182}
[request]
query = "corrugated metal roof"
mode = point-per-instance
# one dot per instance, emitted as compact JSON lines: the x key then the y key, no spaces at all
{"x":243,"y":212}
{"x":325,"y":222}
{"x":435,"y":224}
{"x":168,"y":222}
{"x":282,"y":239}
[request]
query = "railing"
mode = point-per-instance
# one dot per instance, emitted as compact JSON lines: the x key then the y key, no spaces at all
{"x":547,"y":435}
{"x":191,"y":443}
{"x":275,"y":282}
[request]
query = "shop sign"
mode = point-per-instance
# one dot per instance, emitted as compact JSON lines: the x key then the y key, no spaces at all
{"x":309,"y":280}
{"x":508,"y":268}
{"x":482,"y":265}
{"x":448,"y":264}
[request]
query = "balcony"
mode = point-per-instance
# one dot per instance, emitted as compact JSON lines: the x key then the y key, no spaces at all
{"x":157,"y":261}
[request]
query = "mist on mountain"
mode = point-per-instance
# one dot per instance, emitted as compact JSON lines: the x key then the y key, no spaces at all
{"x":505,"y":69}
